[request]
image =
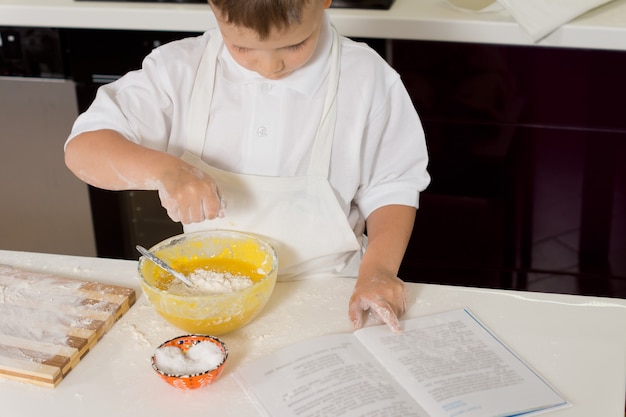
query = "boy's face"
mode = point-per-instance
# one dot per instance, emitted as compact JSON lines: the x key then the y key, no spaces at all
{"x":282,"y":52}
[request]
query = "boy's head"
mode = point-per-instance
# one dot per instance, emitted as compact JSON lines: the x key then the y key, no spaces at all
{"x":270,"y":37}
{"x":262,"y":16}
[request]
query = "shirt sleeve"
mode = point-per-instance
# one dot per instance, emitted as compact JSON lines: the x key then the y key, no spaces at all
{"x":395,"y":158}
{"x":148,"y":106}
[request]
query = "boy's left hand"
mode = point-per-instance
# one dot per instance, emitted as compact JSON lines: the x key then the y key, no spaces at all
{"x":384,"y":296}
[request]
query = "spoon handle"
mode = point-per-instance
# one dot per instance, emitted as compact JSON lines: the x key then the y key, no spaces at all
{"x":163,"y":265}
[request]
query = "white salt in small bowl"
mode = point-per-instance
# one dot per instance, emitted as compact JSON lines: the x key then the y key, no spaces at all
{"x":191,"y":361}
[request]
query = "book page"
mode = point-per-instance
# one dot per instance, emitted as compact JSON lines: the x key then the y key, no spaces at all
{"x":330,"y":375}
{"x":453,"y":366}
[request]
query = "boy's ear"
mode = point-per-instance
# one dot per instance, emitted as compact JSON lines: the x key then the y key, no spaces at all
{"x":327,"y":3}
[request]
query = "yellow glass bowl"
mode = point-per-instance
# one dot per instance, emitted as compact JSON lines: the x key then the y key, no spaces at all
{"x":213,"y":314}
{"x":196,"y":380}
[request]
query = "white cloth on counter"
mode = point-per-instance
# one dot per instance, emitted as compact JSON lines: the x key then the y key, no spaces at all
{"x":538,"y":18}
{"x":541,"y":17}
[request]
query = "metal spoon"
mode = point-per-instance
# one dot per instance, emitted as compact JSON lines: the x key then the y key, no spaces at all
{"x":164,"y":265}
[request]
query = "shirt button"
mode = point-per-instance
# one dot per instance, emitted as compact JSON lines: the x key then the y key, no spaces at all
{"x":262,"y":131}
{"x":267,"y":88}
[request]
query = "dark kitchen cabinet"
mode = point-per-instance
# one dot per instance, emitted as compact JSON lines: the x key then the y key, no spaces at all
{"x":527,"y":150}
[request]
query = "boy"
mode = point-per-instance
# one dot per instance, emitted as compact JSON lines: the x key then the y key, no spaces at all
{"x":275,"y":125}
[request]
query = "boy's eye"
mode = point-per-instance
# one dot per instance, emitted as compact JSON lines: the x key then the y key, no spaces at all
{"x":243,"y":49}
{"x":297,"y":46}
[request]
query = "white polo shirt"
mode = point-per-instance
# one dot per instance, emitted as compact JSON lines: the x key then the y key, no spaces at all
{"x":265,"y":127}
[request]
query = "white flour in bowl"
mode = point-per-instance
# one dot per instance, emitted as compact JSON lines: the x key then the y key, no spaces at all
{"x":207,"y":281}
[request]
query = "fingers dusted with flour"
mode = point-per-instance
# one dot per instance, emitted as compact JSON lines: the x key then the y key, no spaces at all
{"x":378,"y":290}
{"x":105,"y":159}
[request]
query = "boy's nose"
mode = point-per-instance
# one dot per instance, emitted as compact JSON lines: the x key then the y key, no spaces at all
{"x":269,"y":65}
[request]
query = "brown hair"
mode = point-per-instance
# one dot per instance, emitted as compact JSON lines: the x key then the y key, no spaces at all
{"x":262,"y":16}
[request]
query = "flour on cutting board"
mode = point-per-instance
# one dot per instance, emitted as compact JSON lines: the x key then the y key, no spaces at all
{"x":23,"y":302}
{"x":49,"y":322}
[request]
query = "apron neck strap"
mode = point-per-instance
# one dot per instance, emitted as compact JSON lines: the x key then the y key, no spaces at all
{"x":202,"y":95}
{"x":319,"y":164}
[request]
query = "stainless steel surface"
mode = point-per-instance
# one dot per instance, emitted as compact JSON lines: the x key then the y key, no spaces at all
{"x":44,"y":207}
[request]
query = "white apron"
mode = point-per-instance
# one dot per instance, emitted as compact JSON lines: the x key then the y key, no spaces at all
{"x":300,"y":216}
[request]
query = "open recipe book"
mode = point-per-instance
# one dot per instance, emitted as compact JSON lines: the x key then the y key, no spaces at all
{"x":443,"y":365}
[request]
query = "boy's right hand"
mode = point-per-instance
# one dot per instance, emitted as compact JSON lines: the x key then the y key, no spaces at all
{"x":190,"y":195}
{"x":106,"y":159}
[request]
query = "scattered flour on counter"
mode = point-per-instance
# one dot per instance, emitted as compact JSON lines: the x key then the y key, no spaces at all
{"x":143,"y":324}
{"x":199,"y":358}
{"x":138,"y":334}
{"x":211,"y":282}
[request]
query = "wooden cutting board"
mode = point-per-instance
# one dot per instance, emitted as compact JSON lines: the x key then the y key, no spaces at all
{"x":48,"y":323}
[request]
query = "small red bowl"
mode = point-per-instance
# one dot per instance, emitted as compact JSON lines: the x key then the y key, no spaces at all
{"x":196,"y":380}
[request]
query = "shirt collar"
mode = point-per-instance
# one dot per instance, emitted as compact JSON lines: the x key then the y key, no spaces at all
{"x":306,"y":79}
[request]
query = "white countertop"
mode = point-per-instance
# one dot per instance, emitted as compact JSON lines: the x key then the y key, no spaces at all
{"x":577,"y":343}
{"x":602,"y":28}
